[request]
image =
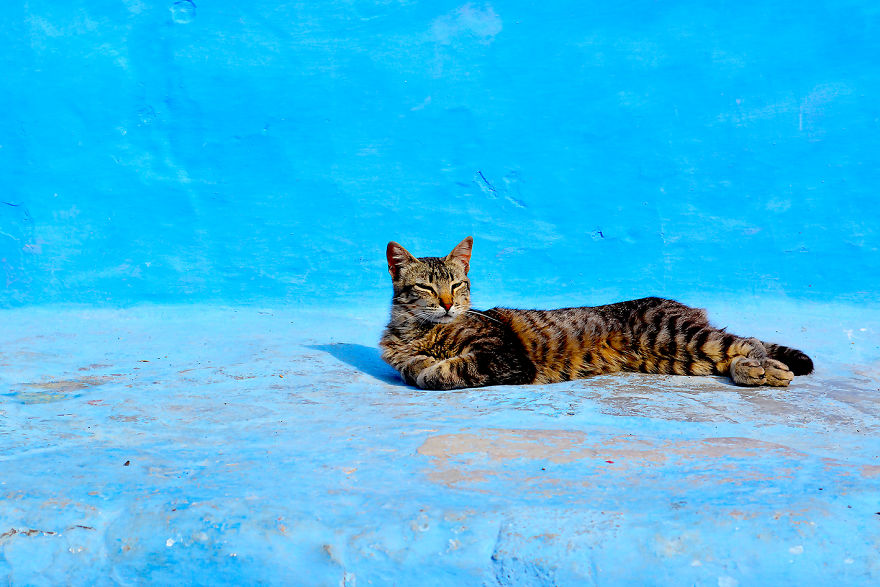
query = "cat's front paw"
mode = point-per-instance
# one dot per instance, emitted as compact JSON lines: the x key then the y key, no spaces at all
{"x":436,"y":376}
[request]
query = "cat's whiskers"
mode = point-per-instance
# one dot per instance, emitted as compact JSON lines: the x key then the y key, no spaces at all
{"x":424,"y":317}
{"x":482,"y":315}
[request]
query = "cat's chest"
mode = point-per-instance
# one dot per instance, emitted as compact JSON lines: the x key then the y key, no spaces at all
{"x":437,"y":343}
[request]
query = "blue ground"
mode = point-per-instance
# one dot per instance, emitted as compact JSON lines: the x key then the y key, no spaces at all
{"x":243,"y":445}
{"x":196,"y":202}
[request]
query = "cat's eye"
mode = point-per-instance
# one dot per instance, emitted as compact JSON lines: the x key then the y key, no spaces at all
{"x":424,"y":286}
{"x":455,"y":285}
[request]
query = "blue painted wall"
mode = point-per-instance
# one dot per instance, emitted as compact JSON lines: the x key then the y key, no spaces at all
{"x":239,"y":152}
{"x":264,"y":153}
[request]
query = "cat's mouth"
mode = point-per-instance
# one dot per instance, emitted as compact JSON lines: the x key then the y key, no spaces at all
{"x":444,"y":319}
{"x":435,"y":315}
{"x":441,"y":317}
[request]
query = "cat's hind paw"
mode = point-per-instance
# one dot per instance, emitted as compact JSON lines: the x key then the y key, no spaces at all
{"x":748,"y":372}
{"x":777,"y":373}
{"x":753,"y":372}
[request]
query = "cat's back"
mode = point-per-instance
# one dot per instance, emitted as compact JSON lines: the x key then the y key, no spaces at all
{"x":570,"y":343}
{"x":566,"y":343}
{"x":587,"y":320}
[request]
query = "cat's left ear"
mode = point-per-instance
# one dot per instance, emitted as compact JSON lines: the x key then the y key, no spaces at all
{"x":462,"y":253}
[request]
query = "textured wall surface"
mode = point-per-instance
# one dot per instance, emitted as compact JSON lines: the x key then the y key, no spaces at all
{"x":196,"y":202}
{"x":179,"y":151}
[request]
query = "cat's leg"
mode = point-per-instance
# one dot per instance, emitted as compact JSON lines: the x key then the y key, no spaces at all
{"x":429,"y":372}
{"x":686,"y":344}
{"x":453,"y":373}
{"x":478,"y":368}
{"x":673,"y":338}
{"x":749,"y":365}
{"x":412,"y":367}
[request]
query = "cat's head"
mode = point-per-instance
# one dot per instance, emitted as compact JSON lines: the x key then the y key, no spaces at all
{"x":432,"y":289}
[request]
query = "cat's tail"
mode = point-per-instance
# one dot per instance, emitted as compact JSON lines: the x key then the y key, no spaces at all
{"x":797,"y":361}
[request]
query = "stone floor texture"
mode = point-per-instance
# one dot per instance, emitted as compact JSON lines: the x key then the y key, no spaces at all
{"x":217,"y":445}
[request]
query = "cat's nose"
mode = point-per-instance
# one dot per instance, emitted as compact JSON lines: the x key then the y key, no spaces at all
{"x":446,"y":305}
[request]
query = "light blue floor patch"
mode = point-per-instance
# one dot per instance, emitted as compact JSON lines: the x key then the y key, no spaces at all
{"x":218,"y":445}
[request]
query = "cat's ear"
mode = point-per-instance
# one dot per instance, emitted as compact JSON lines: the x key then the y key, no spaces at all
{"x":462,"y":253}
{"x":398,"y":257}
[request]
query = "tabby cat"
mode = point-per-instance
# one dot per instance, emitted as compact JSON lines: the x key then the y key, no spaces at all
{"x":437,"y":341}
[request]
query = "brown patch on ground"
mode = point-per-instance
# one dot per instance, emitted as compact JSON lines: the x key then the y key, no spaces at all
{"x":94,"y":366}
{"x":218,"y":371}
{"x":565,"y":446}
{"x":462,"y":458}
{"x":68,"y":385}
{"x":871,"y":471}
{"x":25,"y":532}
{"x":42,"y":392}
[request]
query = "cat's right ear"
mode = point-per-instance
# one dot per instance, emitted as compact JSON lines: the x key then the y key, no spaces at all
{"x":398,"y":257}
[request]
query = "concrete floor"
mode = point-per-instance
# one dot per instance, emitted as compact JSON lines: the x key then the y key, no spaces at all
{"x":214,"y":445}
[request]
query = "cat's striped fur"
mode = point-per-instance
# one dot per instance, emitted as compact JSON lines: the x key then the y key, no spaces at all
{"x":436,"y":341}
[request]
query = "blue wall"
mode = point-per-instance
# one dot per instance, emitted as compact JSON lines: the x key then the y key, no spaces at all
{"x":240,"y":152}
{"x":264,"y":153}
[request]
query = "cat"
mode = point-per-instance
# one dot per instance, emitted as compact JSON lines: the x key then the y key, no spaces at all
{"x":437,"y":341}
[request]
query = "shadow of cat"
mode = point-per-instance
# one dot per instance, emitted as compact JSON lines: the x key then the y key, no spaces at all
{"x":363,"y":358}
